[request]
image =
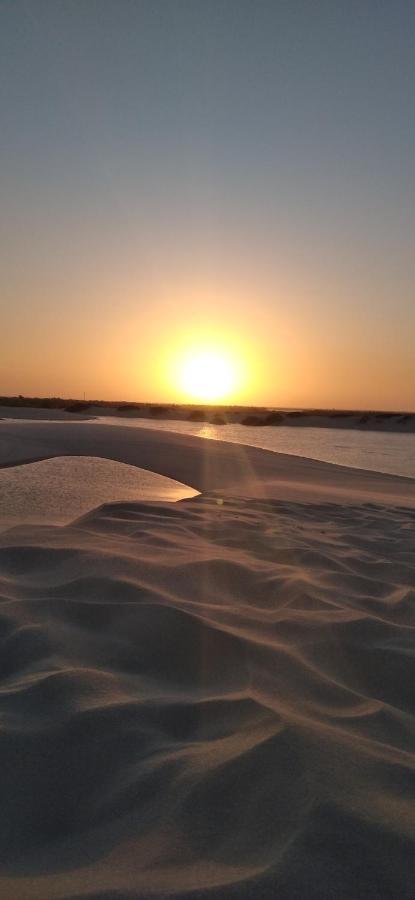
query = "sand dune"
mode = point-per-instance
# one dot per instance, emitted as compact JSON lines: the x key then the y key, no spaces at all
{"x":204,"y":465}
{"x":212,"y":698}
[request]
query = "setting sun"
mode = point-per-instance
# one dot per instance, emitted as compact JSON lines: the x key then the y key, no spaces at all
{"x":207,"y":375}
{"x":207,"y":363}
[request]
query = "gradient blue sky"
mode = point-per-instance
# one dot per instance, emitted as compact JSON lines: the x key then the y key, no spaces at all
{"x":179,"y":167}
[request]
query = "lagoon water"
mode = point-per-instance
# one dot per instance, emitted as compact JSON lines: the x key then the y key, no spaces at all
{"x":57,"y":491}
{"x":373,"y":450}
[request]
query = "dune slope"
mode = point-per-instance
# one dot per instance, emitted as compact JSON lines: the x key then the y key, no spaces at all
{"x":204,"y":465}
{"x":209,"y":698}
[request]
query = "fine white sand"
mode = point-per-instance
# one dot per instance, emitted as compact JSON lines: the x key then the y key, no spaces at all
{"x":57,"y":491}
{"x":213,"y":698}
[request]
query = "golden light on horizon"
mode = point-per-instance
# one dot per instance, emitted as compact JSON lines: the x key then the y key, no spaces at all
{"x":208,"y":375}
{"x":206,"y":369}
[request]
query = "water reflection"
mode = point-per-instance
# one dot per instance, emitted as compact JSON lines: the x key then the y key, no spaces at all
{"x":56,"y":491}
{"x":211,"y":432}
{"x":376,"y":451}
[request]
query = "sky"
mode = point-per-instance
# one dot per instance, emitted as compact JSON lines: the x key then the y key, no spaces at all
{"x":229,"y":175}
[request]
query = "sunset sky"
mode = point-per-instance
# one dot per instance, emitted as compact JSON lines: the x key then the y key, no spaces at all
{"x":183,"y":176}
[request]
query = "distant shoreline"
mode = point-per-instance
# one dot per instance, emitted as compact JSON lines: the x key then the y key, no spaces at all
{"x":254,"y":416}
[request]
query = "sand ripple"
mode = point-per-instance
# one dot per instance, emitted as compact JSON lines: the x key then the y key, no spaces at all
{"x":209,"y":697}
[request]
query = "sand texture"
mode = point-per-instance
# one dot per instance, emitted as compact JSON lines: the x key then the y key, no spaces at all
{"x":213,"y":698}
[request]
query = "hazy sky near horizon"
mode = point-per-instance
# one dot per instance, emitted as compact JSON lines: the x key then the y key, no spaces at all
{"x":240,"y":169}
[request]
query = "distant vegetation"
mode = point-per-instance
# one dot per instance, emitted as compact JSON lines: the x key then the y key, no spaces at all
{"x":197,"y":415}
{"x":252,"y":420}
{"x":159,"y":411}
{"x":274,"y":418}
{"x":77,"y":407}
{"x":254,"y":416}
{"x":37,"y":402}
{"x":126,"y":407}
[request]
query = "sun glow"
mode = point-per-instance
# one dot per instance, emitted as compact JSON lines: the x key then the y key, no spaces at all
{"x":208,"y":375}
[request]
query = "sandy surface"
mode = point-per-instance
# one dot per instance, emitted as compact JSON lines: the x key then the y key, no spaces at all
{"x":213,"y":698}
{"x":57,"y":491}
{"x":35,"y":413}
{"x":204,"y":465}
